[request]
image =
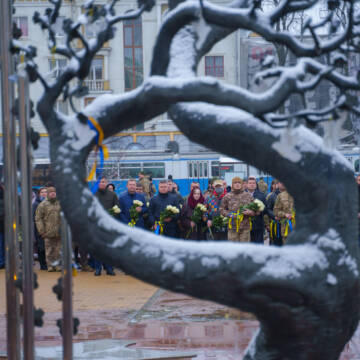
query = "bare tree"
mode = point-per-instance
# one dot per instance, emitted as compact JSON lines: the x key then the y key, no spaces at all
{"x":306,"y":294}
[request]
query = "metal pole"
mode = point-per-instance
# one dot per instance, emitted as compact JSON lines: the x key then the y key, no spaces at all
{"x":26,"y":216}
{"x":10,"y":194}
{"x":67,"y":320}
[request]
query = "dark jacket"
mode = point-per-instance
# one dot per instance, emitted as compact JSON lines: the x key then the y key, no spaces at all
{"x":271,"y":198}
{"x":39,"y":241}
{"x":157,"y":204}
{"x":258,"y":221}
{"x":107,"y":198}
{"x":196,"y":233}
{"x":178,"y":197}
{"x":126,"y":201}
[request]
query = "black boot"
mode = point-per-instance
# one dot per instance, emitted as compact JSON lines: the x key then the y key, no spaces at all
{"x":97,"y":272}
{"x":42,"y":260}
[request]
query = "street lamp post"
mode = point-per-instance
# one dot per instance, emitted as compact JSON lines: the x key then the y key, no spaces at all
{"x":10,"y":181}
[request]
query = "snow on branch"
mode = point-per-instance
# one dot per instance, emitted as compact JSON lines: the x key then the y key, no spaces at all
{"x":261,"y":23}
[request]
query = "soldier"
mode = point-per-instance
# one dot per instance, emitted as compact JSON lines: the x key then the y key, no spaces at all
{"x":262,"y":185}
{"x":148,"y":187}
{"x":47,"y":219}
{"x":239,"y":226}
{"x":284,"y":211}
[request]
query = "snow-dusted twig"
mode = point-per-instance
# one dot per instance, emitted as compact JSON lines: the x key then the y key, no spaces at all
{"x":260,"y":24}
{"x":311,"y":116}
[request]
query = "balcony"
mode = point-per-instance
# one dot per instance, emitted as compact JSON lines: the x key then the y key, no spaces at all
{"x":97,"y":85}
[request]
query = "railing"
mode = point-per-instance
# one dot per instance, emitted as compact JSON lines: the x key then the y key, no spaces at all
{"x":97,"y":85}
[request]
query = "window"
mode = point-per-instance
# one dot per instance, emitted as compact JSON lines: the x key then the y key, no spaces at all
{"x":133,"y":56}
{"x":220,"y":169}
{"x":198,"y":169}
{"x":56,"y":67}
{"x":95,"y":80}
{"x":214,"y":66}
{"x":109,"y":170}
{"x":97,"y":69}
{"x":129,"y":170}
{"x":41,"y":174}
{"x":215,"y":169}
{"x":133,"y":53}
{"x":155,"y":169}
{"x":22,"y":23}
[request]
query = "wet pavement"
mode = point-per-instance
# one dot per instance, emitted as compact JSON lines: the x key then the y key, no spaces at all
{"x":123,"y":308}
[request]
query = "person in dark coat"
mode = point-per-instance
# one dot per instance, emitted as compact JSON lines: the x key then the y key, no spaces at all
{"x":275,"y":238}
{"x":2,"y":219}
{"x":194,"y":230}
{"x":111,"y":187}
{"x":39,"y":241}
{"x":173,"y":190}
{"x":258,"y":225}
{"x":159,"y":203}
{"x":108,"y":200}
{"x":126,"y":201}
{"x":271,"y":197}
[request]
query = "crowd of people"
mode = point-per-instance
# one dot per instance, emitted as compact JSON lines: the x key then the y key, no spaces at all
{"x":242,"y":212}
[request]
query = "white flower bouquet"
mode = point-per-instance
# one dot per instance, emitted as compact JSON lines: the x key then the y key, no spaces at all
{"x":114,"y":210}
{"x":169,"y":212}
{"x":134,"y":214}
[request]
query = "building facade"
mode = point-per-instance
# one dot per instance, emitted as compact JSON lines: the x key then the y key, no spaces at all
{"x":121,"y":65}
{"x":124,"y":63}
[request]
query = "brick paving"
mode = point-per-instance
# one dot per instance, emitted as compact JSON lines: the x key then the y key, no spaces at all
{"x":122,"y":307}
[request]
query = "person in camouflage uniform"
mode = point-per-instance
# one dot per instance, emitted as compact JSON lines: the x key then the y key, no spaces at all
{"x":48,"y":222}
{"x":284,"y":211}
{"x":230,"y":205}
{"x":148,"y":187}
{"x":263,"y":186}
